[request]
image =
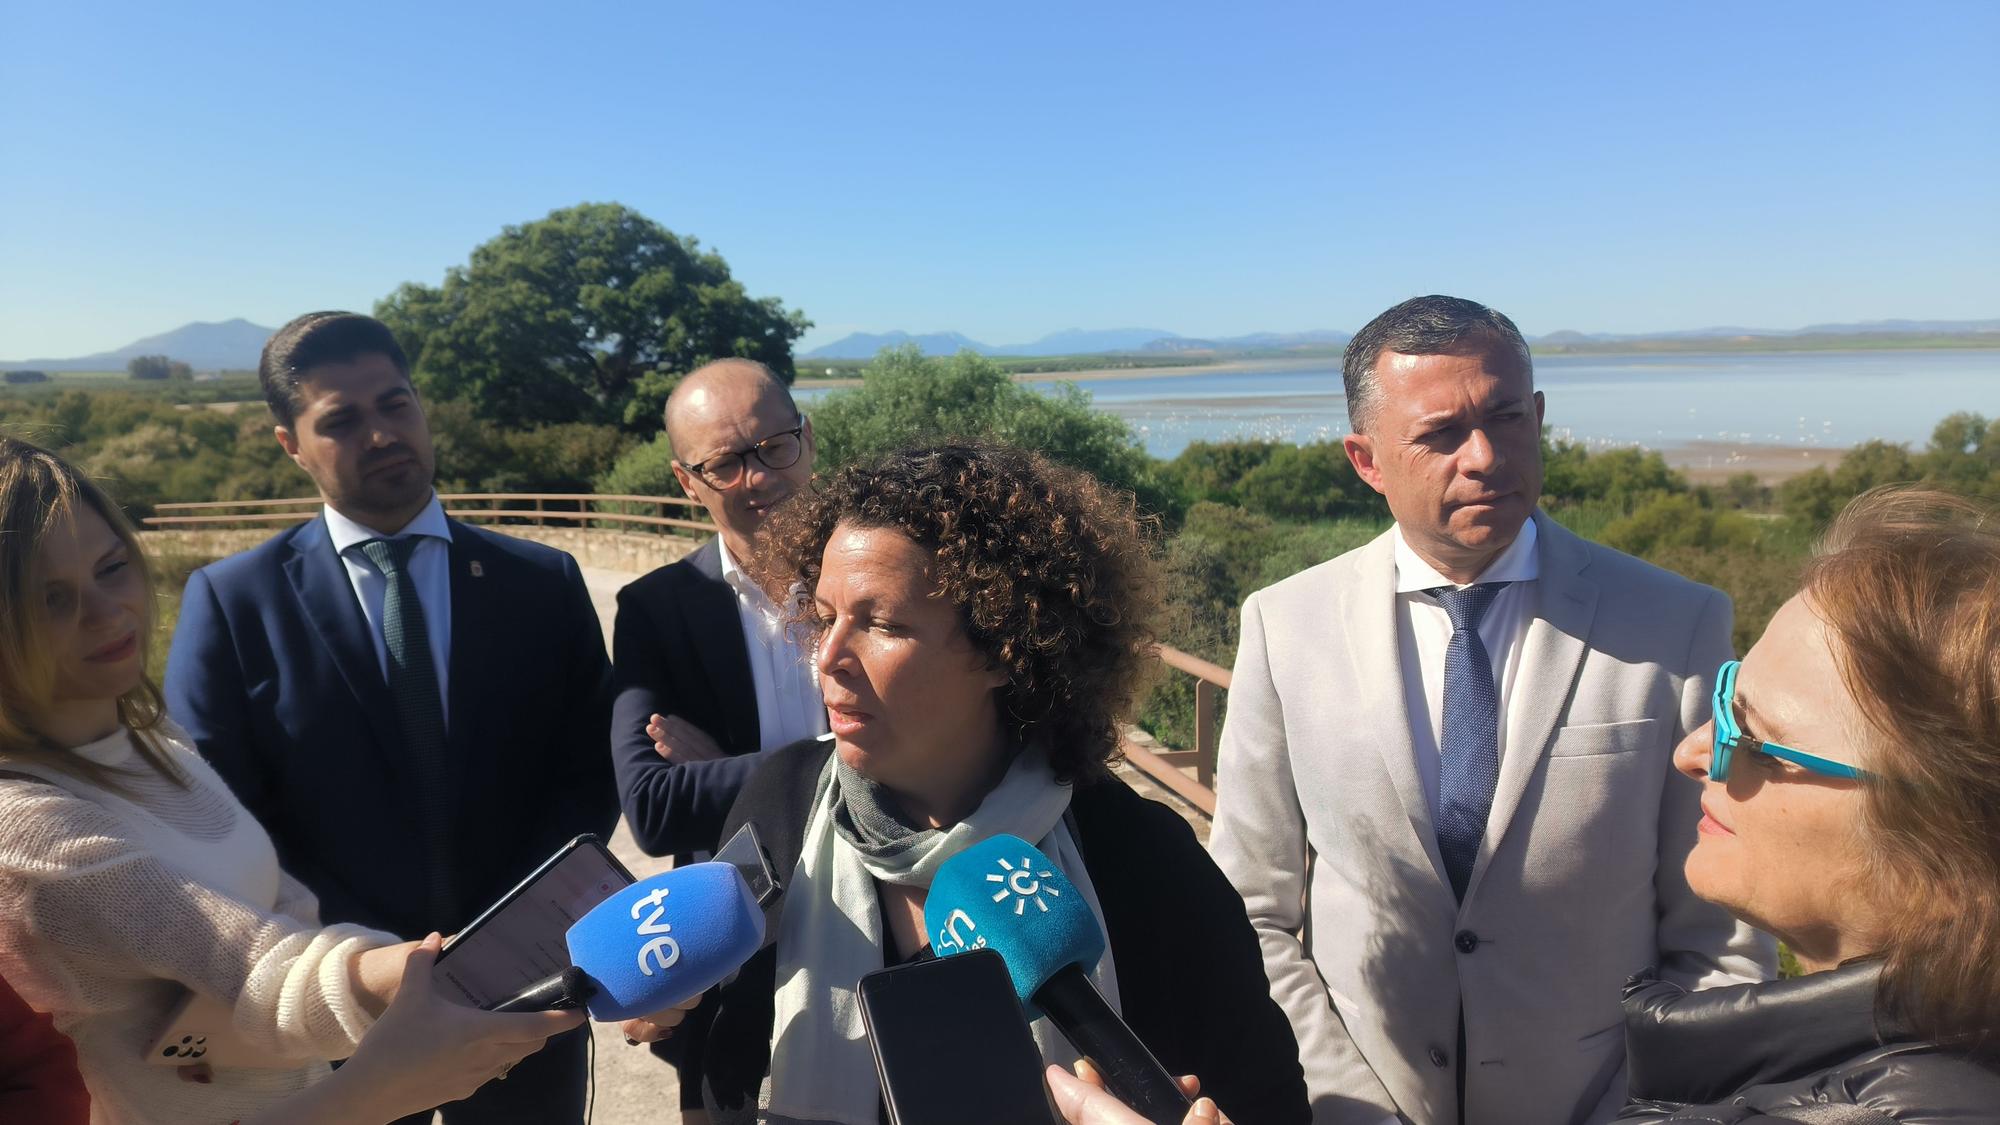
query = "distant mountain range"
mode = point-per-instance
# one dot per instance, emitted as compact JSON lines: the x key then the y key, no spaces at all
{"x":234,"y":345}
{"x":1073,"y":341}
{"x":1079,"y":342}
{"x":1863,"y":328}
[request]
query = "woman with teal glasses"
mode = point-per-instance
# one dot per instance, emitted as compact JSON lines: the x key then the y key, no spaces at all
{"x":1851,"y":806}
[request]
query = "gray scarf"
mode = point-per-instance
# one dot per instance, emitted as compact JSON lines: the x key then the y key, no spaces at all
{"x":830,"y":931}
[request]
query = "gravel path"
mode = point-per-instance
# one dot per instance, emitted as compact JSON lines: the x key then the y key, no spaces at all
{"x":633,"y":1087}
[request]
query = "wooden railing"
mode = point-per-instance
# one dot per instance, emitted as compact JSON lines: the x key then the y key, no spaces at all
{"x":1167,"y":767}
{"x":520,"y":507}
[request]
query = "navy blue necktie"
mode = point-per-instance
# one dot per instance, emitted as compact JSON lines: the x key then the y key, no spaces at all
{"x":1470,"y":743}
{"x":413,"y":685}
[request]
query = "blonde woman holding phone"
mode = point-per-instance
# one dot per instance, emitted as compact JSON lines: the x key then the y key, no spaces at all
{"x":131,"y":877}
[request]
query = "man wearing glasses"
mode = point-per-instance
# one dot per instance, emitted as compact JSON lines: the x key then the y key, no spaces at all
{"x":708,"y":672}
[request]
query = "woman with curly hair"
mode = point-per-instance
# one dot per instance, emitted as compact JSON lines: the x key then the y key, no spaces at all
{"x":982,"y":620}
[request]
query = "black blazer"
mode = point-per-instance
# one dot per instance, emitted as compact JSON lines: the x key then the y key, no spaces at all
{"x":274,"y":675}
{"x":679,"y":650}
{"x":1190,"y":974}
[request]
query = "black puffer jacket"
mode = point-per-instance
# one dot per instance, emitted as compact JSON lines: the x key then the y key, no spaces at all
{"x":1791,"y":1051}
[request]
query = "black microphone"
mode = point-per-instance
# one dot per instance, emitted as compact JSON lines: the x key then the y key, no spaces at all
{"x":1004,"y":894}
{"x":571,"y":988}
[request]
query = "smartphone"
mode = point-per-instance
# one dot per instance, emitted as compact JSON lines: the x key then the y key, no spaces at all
{"x":951,"y":1044}
{"x":522,"y":938}
{"x":747,"y":853}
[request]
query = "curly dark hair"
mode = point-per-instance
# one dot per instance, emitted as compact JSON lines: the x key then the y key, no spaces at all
{"x":1052,"y":574}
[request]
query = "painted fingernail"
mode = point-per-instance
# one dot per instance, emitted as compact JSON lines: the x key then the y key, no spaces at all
{"x":631,"y":1042}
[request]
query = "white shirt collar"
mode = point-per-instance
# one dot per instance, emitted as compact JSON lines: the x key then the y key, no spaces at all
{"x":740,"y":582}
{"x":346,"y":533}
{"x":1518,"y":563}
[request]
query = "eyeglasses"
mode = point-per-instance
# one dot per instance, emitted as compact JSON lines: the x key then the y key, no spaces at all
{"x":779,"y":451}
{"x":1729,"y":738}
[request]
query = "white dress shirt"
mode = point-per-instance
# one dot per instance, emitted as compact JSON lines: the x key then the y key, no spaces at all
{"x":789,"y":707}
{"x":1423,"y":631}
{"x":430,"y":569}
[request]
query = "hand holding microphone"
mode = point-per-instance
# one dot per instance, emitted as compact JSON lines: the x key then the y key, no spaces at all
{"x":1004,"y":894}
{"x":655,"y":946}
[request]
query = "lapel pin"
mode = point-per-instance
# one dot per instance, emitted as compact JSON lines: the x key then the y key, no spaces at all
{"x":478,"y":571}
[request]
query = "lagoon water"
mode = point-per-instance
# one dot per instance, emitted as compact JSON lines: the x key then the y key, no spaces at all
{"x":1806,"y":399}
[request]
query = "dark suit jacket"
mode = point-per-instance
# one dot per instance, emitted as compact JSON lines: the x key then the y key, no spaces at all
{"x":679,"y":650}
{"x":1190,"y":975}
{"x":275,"y":676}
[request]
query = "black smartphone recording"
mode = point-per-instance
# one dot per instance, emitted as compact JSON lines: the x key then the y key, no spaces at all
{"x":951,"y":1045}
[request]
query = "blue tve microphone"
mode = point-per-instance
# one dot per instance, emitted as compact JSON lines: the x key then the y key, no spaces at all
{"x":653,"y":945}
{"x":1003,"y":894}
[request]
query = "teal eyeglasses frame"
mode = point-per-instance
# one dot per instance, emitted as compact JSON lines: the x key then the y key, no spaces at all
{"x":1729,"y":738}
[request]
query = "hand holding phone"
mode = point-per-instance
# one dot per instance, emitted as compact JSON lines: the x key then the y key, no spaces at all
{"x":520,"y":939}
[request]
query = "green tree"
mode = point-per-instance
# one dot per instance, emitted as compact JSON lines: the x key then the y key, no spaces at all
{"x":1814,"y":498}
{"x":1964,"y":455}
{"x":1211,"y":470}
{"x":1309,"y":482}
{"x":1621,"y":477}
{"x":563,"y":320}
{"x":908,"y":397}
{"x":475,"y":455}
{"x":149,"y":367}
{"x":1679,"y":520}
{"x":1745,"y":490}
{"x":645,"y":469}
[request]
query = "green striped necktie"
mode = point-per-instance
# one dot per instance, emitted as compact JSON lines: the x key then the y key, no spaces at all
{"x":413,"y":684}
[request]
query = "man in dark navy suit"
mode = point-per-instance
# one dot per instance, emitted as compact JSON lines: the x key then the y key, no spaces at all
{"x":415,"y":708}
{"x":708,"y":669}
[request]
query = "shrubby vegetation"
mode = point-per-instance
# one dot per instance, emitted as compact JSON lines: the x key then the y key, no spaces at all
{"x":148,"y":451}
{"x":156,"y":367}
{"x":1262,"y":511}
{"x":1232,"y":516}
{"x":906,"y":396}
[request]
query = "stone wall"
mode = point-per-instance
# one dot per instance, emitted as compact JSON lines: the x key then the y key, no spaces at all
{"x":628,"y":552}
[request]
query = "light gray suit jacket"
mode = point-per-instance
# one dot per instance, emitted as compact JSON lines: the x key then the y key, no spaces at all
{"x":1322,"y":825}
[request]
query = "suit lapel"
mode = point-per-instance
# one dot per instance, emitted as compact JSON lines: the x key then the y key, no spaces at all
{"x":319,"y":580}
{"x":717,"y":630}
{"x":1551,"y":657}
{"x":1370,"y":612}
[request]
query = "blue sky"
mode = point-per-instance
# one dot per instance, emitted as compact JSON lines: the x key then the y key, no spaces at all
{"x":1011,"y":170}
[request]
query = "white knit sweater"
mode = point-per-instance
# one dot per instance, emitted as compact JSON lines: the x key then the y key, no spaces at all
{"x":111,"y":905}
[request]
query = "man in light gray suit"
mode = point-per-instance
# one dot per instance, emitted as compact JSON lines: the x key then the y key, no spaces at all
{"x":1447,"y":789}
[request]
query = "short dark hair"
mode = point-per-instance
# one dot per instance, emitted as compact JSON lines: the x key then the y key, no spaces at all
{"x":313,"y":339}
{"x":1433,"y":325}
{"x":1049,"y":569}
